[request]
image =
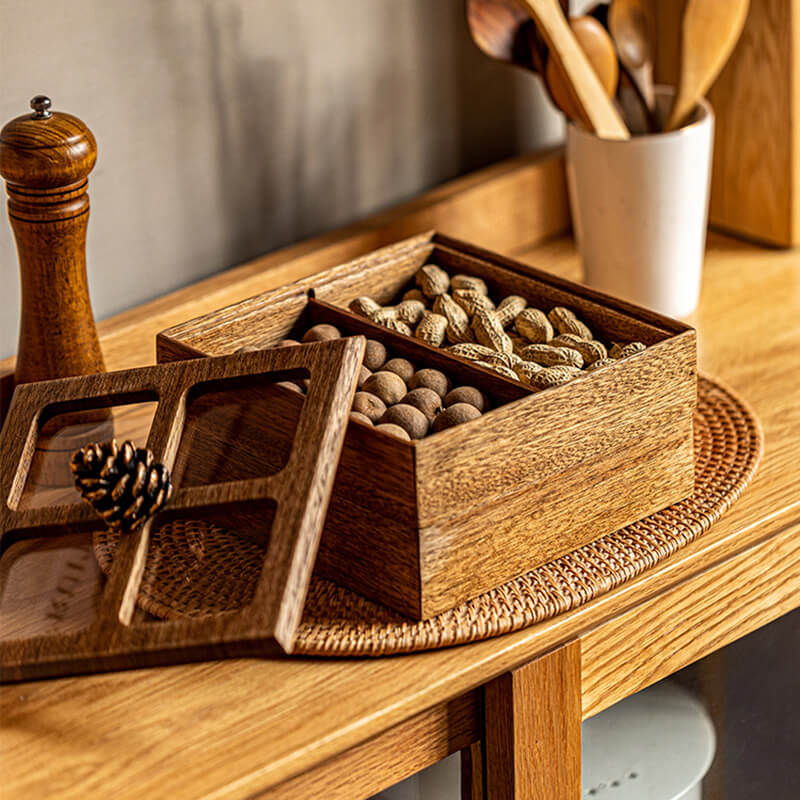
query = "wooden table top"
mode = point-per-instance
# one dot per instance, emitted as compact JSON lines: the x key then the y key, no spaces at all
{"x":231,"y":729}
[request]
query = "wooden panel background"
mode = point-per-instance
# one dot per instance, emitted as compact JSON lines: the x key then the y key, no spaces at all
{"x":755,"y":189}
{"x":230,"y":128}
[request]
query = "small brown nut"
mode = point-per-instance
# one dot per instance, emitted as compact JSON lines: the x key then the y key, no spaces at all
{"x":358,"y":417}
{"x":415,"y":294}
{"x":496,"y":359}
{"x":393,"y":430}
{"x":365,"y":306}
{"x":247,"y":348}
{"x":432,"y":280}
{"x":363,"y":374}
{"x":625,"y":350}
{"x":426,"y":400}
{"x":410,"y":419}
{"x":432,"y":329}
{"x":471,"y":301}
{"x":601,"y":362}
{"x":565,"y":321}
{"x":467,"y":394}
{"x":374,"y":355}
{"x":517,"y":342}
{"x":430,"y":379}
{"x":505,"y":371}
{"x":469,"y":282}
{"x":525,"y":370}
{"x":287,"y":343}
{"x":553,"y":376}
{"x":591,"y":350}
{"x":565,"y":340}
{"x":458,"y":329}
{"x":471,"y":351}
{"x":509,"y":309}
{"x":400,"y":366}
{"x":455,"y":415}
{"x":534,"y":326}
{"x":549,"y":356}
{"x":387,"y":317}
{"x":369,"y":405}
{"x":322,"y":333}
{"x":291,"y":386}
{"x":410,"y":311}
{"x":489,"y":332}
{"x":386,"y":385}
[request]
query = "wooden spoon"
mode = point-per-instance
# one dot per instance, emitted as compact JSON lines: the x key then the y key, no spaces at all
{"x":710,"y":30}
{"x":584,"y":86}
{"x":504,"y":30}
{"x":599,"y":49}
{"x":629,"y":26}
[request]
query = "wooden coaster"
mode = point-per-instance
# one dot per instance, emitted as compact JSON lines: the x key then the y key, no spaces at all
{"x":224,"y":568}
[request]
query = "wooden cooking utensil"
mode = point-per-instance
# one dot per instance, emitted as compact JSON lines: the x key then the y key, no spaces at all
{"x":504,"y":30}
{"x":599,"y":49}
{"x":710,"y":30}
{"x":585,"y":87}
{"x":628,"y":24}
{"x":499,"y":28}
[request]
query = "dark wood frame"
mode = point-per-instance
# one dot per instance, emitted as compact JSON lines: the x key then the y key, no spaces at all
{"x":300,"y":492}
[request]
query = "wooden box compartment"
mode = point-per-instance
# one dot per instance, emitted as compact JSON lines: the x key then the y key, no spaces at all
{"x":424,"y":525}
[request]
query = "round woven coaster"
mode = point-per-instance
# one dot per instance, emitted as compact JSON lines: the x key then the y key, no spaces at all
{"x":195,"y":568}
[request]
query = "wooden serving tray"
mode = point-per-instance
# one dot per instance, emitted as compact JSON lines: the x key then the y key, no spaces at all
{"x":422,"y":526}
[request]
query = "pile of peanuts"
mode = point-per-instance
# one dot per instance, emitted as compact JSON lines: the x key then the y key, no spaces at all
{"x":398,"y":399}
{"x":512,"y":338}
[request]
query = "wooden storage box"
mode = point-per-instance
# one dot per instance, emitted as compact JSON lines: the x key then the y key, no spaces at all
{"x":424,"y":525}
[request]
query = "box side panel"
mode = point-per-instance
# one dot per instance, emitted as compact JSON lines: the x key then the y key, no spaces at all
{"x":377,"y":274}
{"x":370,"y":542}
{"x":559,"y":429}
{"x":466,"y":556}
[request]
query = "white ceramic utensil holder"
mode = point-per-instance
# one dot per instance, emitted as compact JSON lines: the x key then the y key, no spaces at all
{"x":640,"y":210}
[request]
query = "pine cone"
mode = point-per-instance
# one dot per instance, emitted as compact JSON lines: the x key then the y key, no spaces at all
{"x":122,"y":484}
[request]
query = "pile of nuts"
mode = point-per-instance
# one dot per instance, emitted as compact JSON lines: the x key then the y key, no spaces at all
{"x":512,"y":338}
{"x":398,"y":399}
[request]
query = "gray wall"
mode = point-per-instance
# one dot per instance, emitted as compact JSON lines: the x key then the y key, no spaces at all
{"x":227,"y":128}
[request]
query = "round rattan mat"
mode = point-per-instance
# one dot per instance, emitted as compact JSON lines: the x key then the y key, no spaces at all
{"x":196,"y":568}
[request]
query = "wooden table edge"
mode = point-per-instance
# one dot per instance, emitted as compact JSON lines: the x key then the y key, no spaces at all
{"x":779,"y":528}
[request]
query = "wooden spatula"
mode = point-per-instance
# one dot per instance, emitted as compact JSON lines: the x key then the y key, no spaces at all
{"x":710,"y":30}
{"x":599,"y":49}
{"x":596,"y":107}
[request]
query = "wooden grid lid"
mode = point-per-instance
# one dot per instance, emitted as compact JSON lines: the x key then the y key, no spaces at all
{"x":297,"y":494}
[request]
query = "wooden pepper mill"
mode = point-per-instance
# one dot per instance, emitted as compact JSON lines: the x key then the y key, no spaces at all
{"x":45,"y":158}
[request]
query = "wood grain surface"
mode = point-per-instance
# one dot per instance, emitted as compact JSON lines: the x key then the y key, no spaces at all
{"x":532,"y":737}
{"x":755,"y":187}
{"x":391,"y":757}
{"x":254,"y":724}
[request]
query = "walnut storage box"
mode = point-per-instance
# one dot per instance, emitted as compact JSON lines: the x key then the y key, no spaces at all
{"x":422,"y":526}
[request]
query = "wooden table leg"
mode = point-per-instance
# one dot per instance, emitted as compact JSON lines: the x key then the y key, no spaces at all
{"x":532,"y":741}
{"x":472,"y":772}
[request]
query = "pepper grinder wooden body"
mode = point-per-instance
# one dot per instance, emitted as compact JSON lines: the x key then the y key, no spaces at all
{"x":45,"y":158}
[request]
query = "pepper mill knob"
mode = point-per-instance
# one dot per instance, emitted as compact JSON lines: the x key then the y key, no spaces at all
{"x":45,"y":158}
{"x":41,"y":107}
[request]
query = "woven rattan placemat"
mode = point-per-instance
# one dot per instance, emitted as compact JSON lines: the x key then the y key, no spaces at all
{"x":196,"y":568}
